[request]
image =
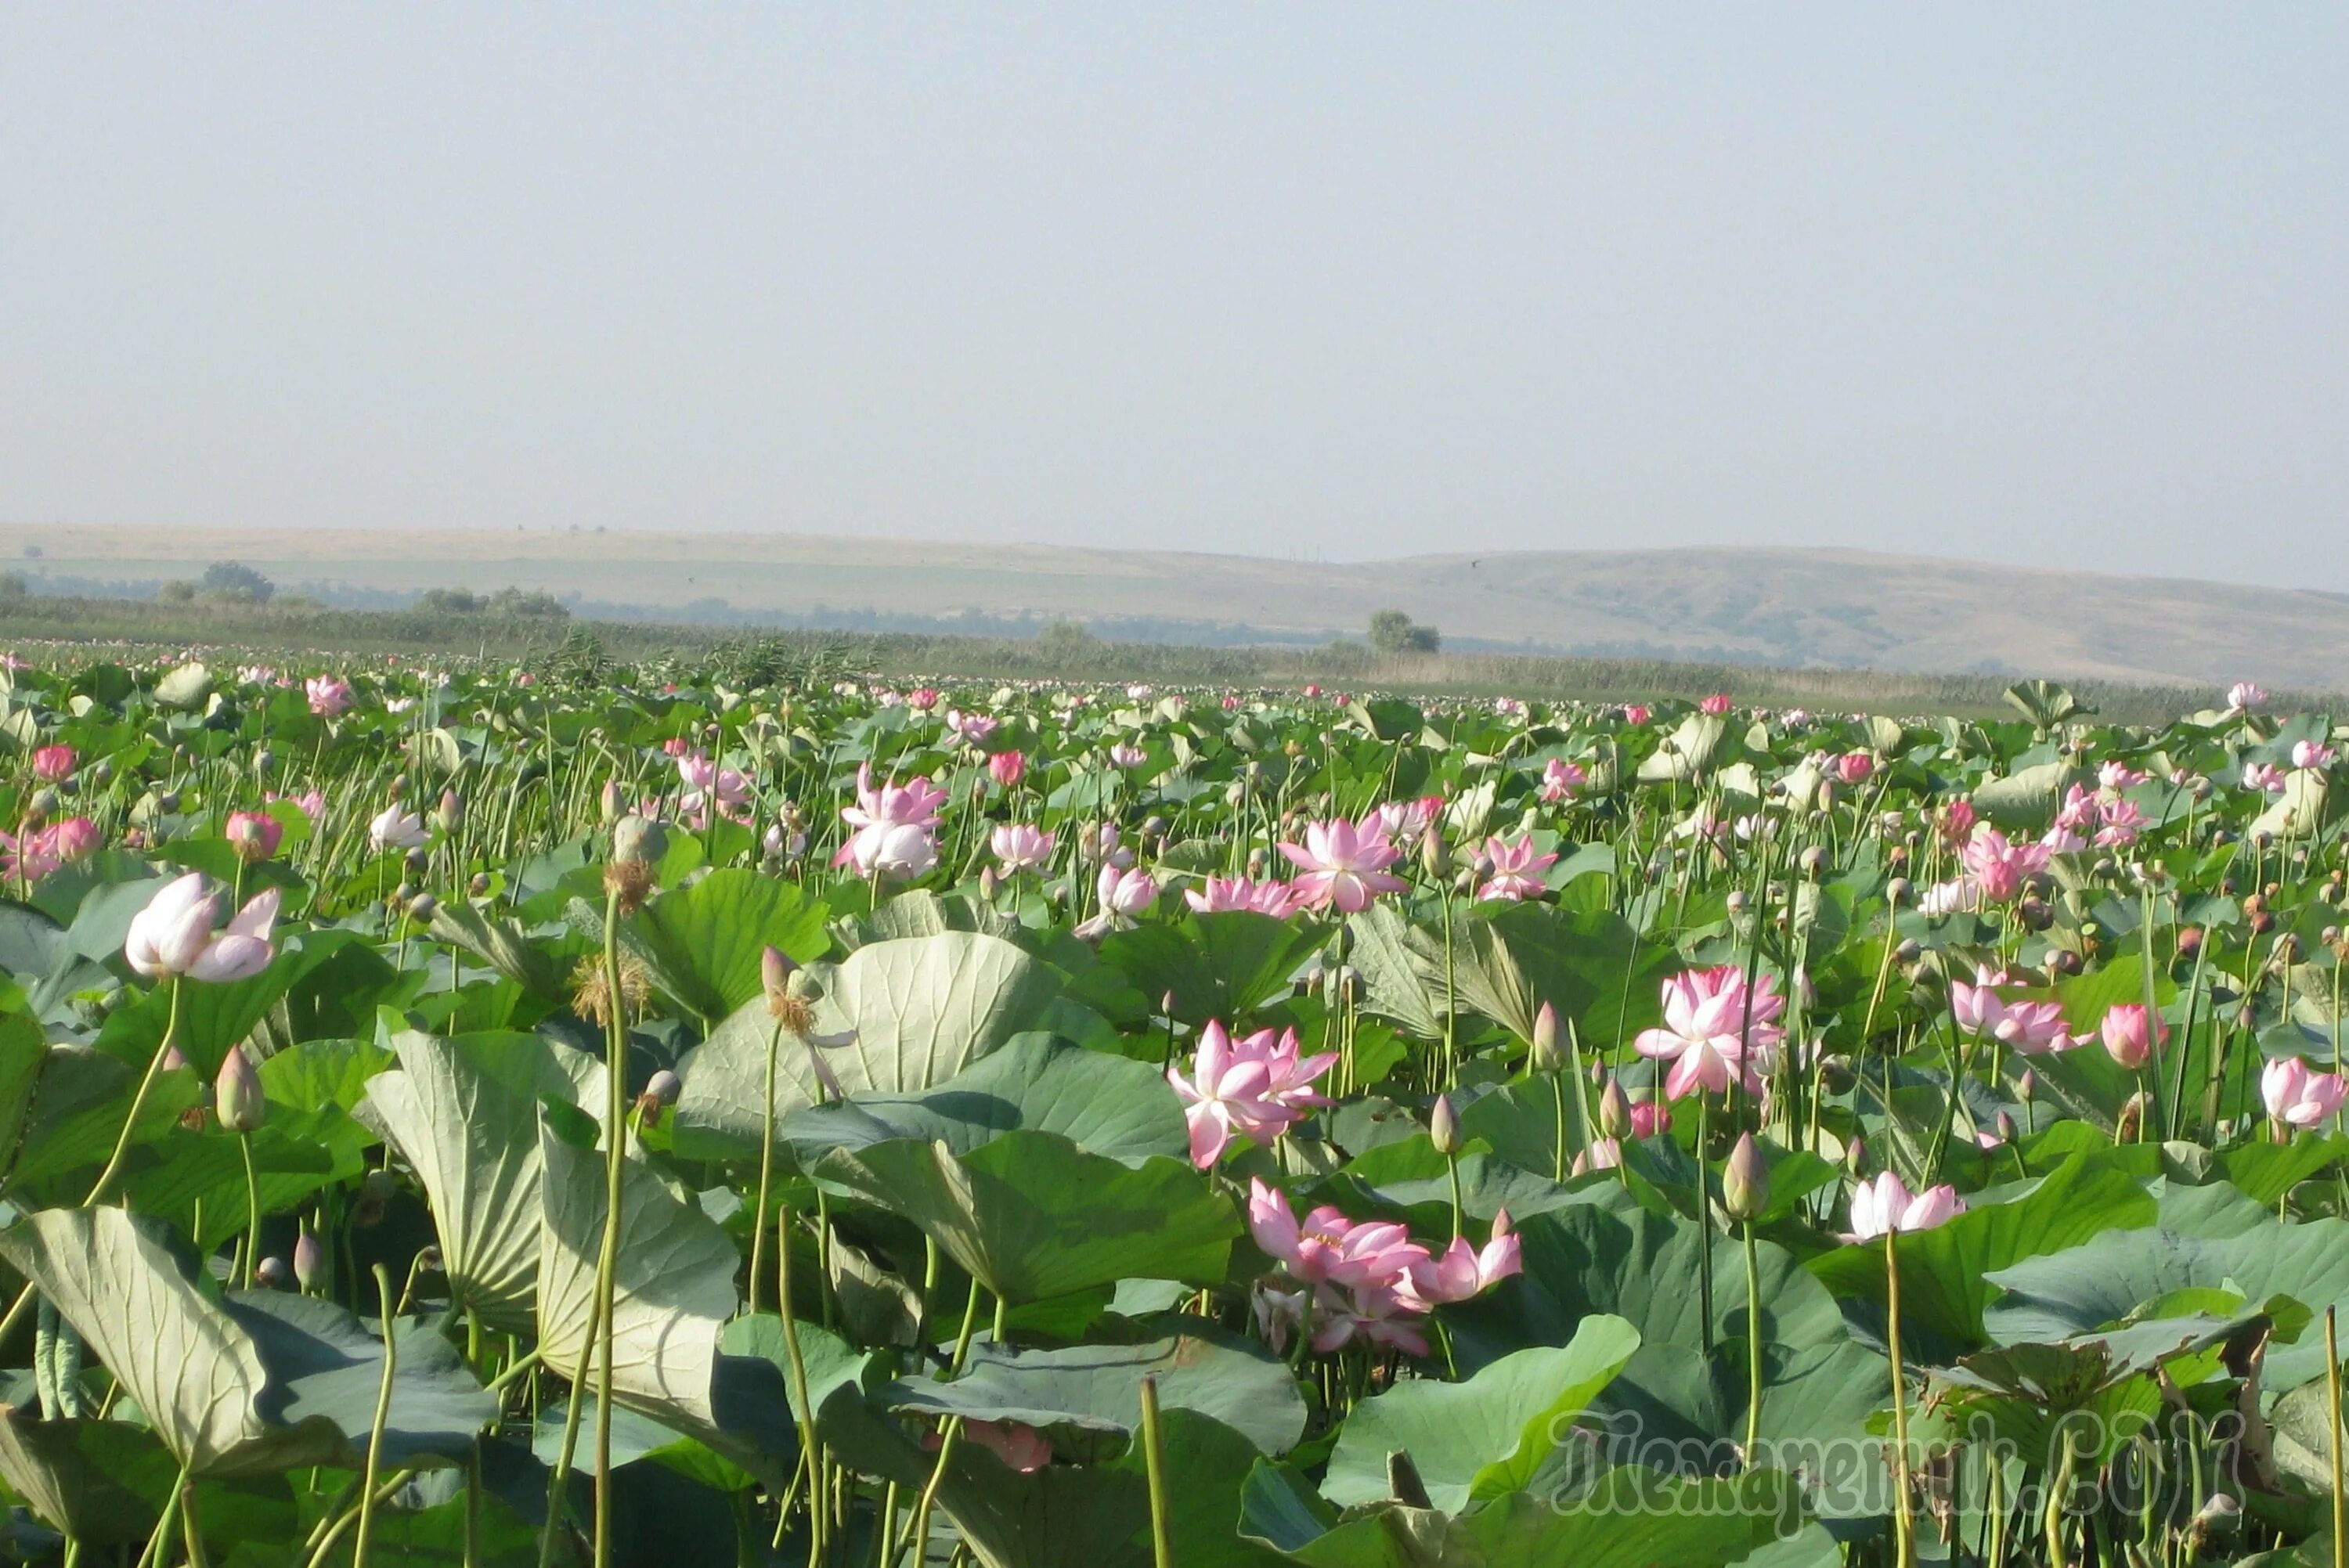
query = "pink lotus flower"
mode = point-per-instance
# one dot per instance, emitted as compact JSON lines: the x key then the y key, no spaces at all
{"x":37,"y":852}
{"x":1998,"y":867}
{"x":1517,"y":870}
{"x":2030,"y":1028}
{"x":1635,"y":712}
{"x":921,"y":699}
{"x":1854,"y":767}
{"x":393,"y":829}
{"x":1007,"y":768}
{"x":2310,"y":754}
{"x":1561,"y":778}
{"x":1404,"y":822}
{"x":2129,"y":1033}
{"x":53,"y":764}
{"x":1713,"y":1031}
{"x":1464,"y":1272}
{"x":892,"y":825}
{"x":2118,"y":775}
{"x":2243,"y":697}
{"x":677,"y":746}
{"x":1256,"y":1087}
{"x":1124,"y":892}
{"x":1885,"y":1204}
{"x":1714,"y":706}
{"x":1223,"y":894}
{"x":1127,"y":757}
{"x":1020,"y":848}
{"x":1955,"y":821}
{"x":74,"y":839}
{"x":972,"y":728}
{"x":173,"y":935}
{"x":1603,"y":1154}
{"x":1651,"y":1116}
{"x":2264,"y":776}
{"x":312,"y":802}
{"x":330,"y":696}
{"x":2297,"y":1097}
{"x":1345,"y":864}
{"x":254,"y":835}
{"x":1362,"y":1274}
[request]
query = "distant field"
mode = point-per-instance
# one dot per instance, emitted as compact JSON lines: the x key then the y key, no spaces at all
{"x":1841,"y":609}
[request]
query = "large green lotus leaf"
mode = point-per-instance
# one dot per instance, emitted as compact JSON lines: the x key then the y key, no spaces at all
{"x":22,"y":1052}
{"x":1484,"y":1436}
{"x":1643,"y":1267}
{"x":1627,"y":1518}
{"x":1098,"y":1388}
{"x":92,"y":1479}
{"x":255,"y":1384}
{"x":463,"y":1112}
{"x":1095,"y":1515}
{"x":1689,"y":751}
{"x":1223,"y":965}
{"x":1032,"y":1216}
{"x":2110,"y":1276}
{"x":502,"y":943}
{"x":919,"y":1010}
{"x":704,"y":942}
{"x":673,"y":1294}
{"x":2026,"y":798}
{"x":1395,"y":960}
{"x":1108,"y":1105}
{"x":78,"y":1105}
{"x":2300,"y":810}
{"x":1948,"y":1273}
{"x":212,"y":1017}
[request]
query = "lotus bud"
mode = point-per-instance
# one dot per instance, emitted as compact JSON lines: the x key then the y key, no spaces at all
{"x":452,"y":810}
{"x":2126,"y":1125}
{"x":988,"y":883}
{"x":309,"y":1260}
{"x":1443,"y":1127}
{"x":2190,"y":941}
{"x":1548,"y":1056}
{"x":374,"y":1196}
{"x":398,"y":785}
{"x":2027,"y":1086}
{"x":103,"y":774}
{"x":1614,"y":1111}
{"x":401,"y":895}
{"x":775,"y":968}
{"x":264,"y":759}
{"x":611,"y":802}
{"x":1855,"y":1154}
{"x":2005,"y":1126}
{"x":273,"y":1275}
{"x":1745,"y":1180}
{"x":237,"y":1094}
{"x":1434,"y":855}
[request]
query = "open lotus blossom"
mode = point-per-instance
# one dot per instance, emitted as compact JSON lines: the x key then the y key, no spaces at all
{"x":972,"y":728}
{"x":892,"y":825}
{"x":175,"y":936}
{"x":1256,"y":1087}
{"x":1997,"y":866}
{"x":921,"y":699}
{"x":2298,"y":1096}
{"x":1516,"y":871}
{"x":53,"y":764}
{"x":1405,"y":820}
{"x":2130,"y":1032}
{"x":1715,"y":1030}
{"x":1885,"y":1204}
{"x":1635,"y":713}
{"x":1715,"y":705}
{"x":1959,"y":896}
{"x":1020,"y":848}
{"x":702,"y":777}
{"x":2028,"y":1027}
{"x":1464,"y":1271}
{"x":2118,"y":775}
{"x":1344,"y":864}
{"x":1221,"y":895}
{"x":1007,"y":768}
{"x":37,"y":852}
{"x":2312,"y":754}
{"x":254,"y":835}
{"x":393,"y":828}
{"x":1127,"y":756}
{"x":2243,"y":697}
{"x":1561,"y":778}
{"x":2264,"y":776}
{"x":330,"y":696}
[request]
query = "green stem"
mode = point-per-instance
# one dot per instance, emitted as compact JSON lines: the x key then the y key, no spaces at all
{"x":1154,"y":1448}
{"x":1752,"y":1348}
{"x":799,"y":1390}
{"x":766,"y":1174}
{"x":252,"y":1208}
{"x":1904,"y":1525}
{"x":382,"y":1418}
{"x":615,"y":1148}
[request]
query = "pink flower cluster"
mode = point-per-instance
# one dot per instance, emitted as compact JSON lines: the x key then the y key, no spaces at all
{"x":2027,"y":1027}
{"x":1344,"y":864}
{"x":35,"y":852}
{"x":1256,"y":1087}
{"x":1278,"y":900}
{"x":1365,"y":1280}
{"x":1560,"y":779}
{"x":2111,"y":820}
{"x":2298,"y":1097}
{"x":893,"y":824}
{"x":1513,"y":873}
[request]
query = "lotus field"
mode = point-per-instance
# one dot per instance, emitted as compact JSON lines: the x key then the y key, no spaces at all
{"x":686,"y":1115}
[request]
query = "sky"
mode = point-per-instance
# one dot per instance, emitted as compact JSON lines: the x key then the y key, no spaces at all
{"x":2066,"y":283}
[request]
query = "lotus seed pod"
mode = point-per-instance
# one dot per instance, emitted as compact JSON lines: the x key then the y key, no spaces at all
{"x":637,"y":841}
{"x":1899,"y":891}
{"x":273,"y":1275}
{"x":422,"y":908}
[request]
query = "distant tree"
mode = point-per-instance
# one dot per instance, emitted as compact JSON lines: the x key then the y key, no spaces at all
{"x":13,"y":585}
{"x":180,"y":592}
{"x":447,"y":602}
{"x":230,"y":580}
{"x":1392,"y":633}
{"x":1062,"y":637}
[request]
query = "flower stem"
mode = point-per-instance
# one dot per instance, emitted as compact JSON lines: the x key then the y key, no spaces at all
{"x":1154,"y":1448}
{"x":1904,"y":1526}
{"x":382,"y":1417}
{"x":615,"y":1146}
{"x":766,"y":1175}
{"x":1753,"y":1347}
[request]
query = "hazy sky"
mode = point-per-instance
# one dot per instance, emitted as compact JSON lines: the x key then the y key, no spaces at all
{"x":2027,"y":281}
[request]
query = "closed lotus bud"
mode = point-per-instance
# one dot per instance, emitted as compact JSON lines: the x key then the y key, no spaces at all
{"x":168,"y":801}
{"x":1614,"y":1111}
{"x":637,"y":841}
{"x":775,"y":968}
{"x":375,"y":1195}
{"x":1434,"y":854}
{"x":2036,"y":915}
{"x":1549,"y":1055}
{"x":2190,"y":941}
{"x":263,"y":761}
{"x":309,"y":1260}
{"x":453,"y":809}
{"x":402,"y":894}
{"x":1443,"y":1127}
{"x":2027,"y":1086}
{"x":1855,"y":1154}
{"x":2132,"y":1118}
{"x":102,"y":775}
{"x":273,"y":1275}
{"x":2005,"y":1126}
{"x":2263,"y":923}
{"x":237,"y":1096}
{"x":1745,"y":1180}
{"x":1908,"y":952}
{"x":988,"y":881}
{"x":610,"y":805}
